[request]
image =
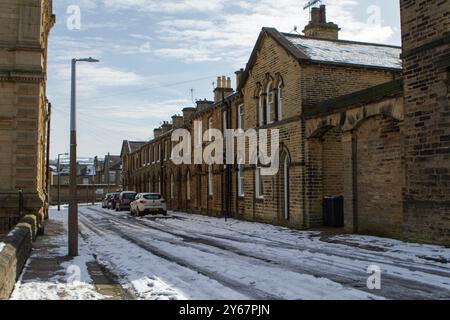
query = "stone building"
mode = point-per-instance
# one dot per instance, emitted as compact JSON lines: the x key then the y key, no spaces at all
{"x":24,"y":109}
{"x":108,"y":171}
{"x":345,"y":130}
{"x":426,"y":56}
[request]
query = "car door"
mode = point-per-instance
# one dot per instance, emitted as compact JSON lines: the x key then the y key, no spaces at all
{"x":132,"y":205}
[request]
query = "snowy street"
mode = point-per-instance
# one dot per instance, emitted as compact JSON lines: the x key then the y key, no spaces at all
{"x":186,"y":256}
{"x":195,"y":257}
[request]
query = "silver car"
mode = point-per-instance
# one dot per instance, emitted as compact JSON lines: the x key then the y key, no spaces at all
{"x":148,"y":203}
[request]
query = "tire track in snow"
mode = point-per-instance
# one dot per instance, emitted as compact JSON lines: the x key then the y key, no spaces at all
{"x":240,"y":287}
{"x":351,"y":277}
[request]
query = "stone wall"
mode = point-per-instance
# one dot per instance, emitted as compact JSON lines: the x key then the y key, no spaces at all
{"x":18,"y":245}
{"x":379,"y":177}
{"x":426,"y":55}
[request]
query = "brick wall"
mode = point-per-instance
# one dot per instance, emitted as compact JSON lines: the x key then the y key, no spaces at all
{"x":379,"y":177}
{"x":324,"y":82}
{"x":426,"y":54}
{"x":333,"y":163}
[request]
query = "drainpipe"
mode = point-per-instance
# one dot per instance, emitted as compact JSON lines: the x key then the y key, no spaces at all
{"x":49,"y":116}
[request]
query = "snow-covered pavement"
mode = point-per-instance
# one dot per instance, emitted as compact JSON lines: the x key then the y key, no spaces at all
{"x":195,"y":257}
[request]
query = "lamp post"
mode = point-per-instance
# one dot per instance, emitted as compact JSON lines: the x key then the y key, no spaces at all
{"x":73,"y":202}
{"x":59,"y":179}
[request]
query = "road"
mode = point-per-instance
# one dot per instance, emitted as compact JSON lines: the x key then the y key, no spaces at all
{"x":186,"y":256}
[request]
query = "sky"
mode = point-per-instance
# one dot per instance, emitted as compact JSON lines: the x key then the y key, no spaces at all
{"x":157,"y":57}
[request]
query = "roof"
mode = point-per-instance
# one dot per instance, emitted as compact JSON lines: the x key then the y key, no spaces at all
{"x":333,"y":52}
{"x":362,"y":97}
{"x":131,"y":146}
{"x":347,"y":52}
{"x":114,"y":162}
{"x":135,"y":145}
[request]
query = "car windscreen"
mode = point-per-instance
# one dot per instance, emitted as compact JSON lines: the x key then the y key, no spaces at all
{"x":152,"y":197}
{"x":129,"y":196}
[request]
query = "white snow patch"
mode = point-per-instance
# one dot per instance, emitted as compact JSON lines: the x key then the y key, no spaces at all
{"x":348,"y":52}
{"x":2,"y":246}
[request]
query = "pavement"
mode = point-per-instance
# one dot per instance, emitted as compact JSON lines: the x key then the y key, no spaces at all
{"x":48,"y":275}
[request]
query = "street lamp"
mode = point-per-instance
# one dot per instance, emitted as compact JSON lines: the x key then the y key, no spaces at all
{"x":59,"y":179}
{"x":73,"y":202}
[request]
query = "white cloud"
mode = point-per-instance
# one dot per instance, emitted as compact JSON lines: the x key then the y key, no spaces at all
{"x":167,"y":6}
{"x":231,"y":36}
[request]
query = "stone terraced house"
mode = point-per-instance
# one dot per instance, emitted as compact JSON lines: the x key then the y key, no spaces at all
{"x":352,"y":122}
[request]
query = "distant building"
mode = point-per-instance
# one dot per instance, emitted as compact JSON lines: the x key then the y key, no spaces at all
{"x":24,"y":109}
{"x":94,"y":178}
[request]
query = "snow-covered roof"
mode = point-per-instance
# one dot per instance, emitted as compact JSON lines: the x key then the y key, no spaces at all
{"x":347,"y":52}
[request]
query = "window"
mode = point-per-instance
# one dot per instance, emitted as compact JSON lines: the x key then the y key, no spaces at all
{"x":210,"y":181}
{"x":224,"y":121}
{"x":153,"y":154}
{"x":261,"y":108}
{"x":240,"y":177}
{"x":166,"y":149}
{"x":159,"y":183}
{"x":188,"y":186}
{"x":269,"y":102}
{"x":172,"y":187}
{"x":159,"y":152}
{"x":259,"y":185}
{"x":241,"y":117}
{"x":280,"y":102}
{"x":210,"y":124}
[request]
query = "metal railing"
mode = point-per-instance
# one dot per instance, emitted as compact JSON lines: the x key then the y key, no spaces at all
{"x":10,"y":216}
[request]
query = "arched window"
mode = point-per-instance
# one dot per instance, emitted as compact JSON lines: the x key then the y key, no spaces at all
{"x":172,"y":187}
{"x":280,"y":102}
{"x":188,"y":186}
{"x":269,"y":102}
{"x":261,"y":112}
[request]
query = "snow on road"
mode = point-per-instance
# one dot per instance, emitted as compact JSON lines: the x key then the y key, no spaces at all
{"x":195,"y":257}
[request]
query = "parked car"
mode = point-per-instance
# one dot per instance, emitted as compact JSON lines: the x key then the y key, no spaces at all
{"x":125,"y":200}
{"x":111,"y":200}
{"x":114,"y":201}
{"x":148,"y":203}
{"x":106,"y":200}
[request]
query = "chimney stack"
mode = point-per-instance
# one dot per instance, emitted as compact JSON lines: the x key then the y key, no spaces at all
{"x":188,"y":113}
{"x":177,"y":121}
{"x":239,"y":75}
{"x":157,"y":132}
{"x":319,"y":28}
{"x":202,"y":105}
{"x":223,"y":88}
{"x":166,"y":127}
